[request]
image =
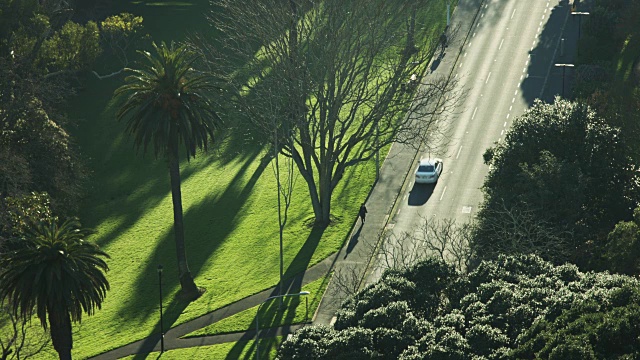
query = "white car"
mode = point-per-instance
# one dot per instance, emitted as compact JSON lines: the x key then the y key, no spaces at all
{"x":428,"y":171}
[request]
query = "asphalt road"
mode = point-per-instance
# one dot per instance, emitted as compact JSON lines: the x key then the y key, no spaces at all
{"x":507,"y":62}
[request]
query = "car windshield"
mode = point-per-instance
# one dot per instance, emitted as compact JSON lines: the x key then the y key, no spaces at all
{"x":426,"y":168}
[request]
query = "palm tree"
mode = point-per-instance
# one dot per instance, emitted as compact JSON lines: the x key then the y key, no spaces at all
{"x":53,"y":270}
{"x":167,"y":107}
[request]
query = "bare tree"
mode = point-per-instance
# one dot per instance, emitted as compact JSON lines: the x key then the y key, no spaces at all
{"x":338,"y":71}
{"x":443,"y":239}
{"x":520,"y":230}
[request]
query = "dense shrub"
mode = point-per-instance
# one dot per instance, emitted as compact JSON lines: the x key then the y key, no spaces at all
{"x":511,"y":307}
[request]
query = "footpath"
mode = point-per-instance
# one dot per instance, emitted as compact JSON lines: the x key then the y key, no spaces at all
{"x":358,"y":254}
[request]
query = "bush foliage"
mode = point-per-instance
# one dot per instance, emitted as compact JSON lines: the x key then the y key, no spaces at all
{"x":511,"y":307}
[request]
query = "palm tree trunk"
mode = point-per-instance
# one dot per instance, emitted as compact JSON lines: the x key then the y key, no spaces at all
{"x":60,"y":329}
{"x":189,"y":288}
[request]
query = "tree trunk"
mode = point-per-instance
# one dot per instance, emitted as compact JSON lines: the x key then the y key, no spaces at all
{"x":60,"y":329}
{"x":189,"y":288}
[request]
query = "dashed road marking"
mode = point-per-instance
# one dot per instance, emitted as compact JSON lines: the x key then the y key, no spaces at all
{"x":459,"y":150}
{"x":488,"y":76}
{"x":466,"y":209}
{"x":474,"y":113}
{"x":513,"y":13}
{"x":443,"y":191}
{"x":500,"y":47}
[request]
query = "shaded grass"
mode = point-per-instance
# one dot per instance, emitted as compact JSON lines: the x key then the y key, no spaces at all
{"x":294,"y":312}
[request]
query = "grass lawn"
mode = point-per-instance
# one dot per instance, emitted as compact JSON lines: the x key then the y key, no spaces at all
{"x":295,"y":312}
{"x":240,"y":350}
{"x":229,"y":201}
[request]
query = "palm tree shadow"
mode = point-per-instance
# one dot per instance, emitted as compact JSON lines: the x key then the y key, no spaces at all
{"x":173,"y":311}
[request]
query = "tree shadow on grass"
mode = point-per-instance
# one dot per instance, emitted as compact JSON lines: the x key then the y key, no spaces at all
{"x":139,"y":305}
{"x":292,"y":284}
{"x":173,"y":311}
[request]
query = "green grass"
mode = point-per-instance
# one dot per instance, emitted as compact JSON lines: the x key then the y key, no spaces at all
{"x":294,"y":312}
{"x":240,"y":350}
{"x":229,"y":202}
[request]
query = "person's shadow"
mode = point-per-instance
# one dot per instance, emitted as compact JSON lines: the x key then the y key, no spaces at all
{"x":353,"y":241}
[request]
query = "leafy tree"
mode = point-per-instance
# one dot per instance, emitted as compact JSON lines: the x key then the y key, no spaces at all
{"x":623,"y":247}
{"x":561,"y":180}
{"x":54,"y":273}
{"x":511,"y":307}
{"x":336,"y":74}
{"x":167,"y":106}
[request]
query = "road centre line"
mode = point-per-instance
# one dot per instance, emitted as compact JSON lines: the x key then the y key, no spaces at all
{"x":443,"y":191}
{"x":513,"y":13}
{"x":488,"y":76}
{"x":474,"y":34}
{"x":500,"y":47}
{"x":542,"y":17}
{"x":501,"y":132}
{"x":513,"y":100}
{"x":474,"y":113}
{"x":505,"y":124}
{"x":459,"y":150}
{"x":508,"y":115}
{"x":510,"y":107}
{"x":516,"y":93}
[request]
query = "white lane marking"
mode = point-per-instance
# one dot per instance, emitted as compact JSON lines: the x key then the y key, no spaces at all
{"x":405,"y":197}
{"x":477,"y":25}
{"x":513,"y":13}
{"x":488,"y":76}
{"x":516,"y":93}
{"x":540,"y":24}
{"x":443,"y":191}
{"x":465,"y":54}
{"x":460,"y":65}
{"x":520,"y":77}
{"x":500,"y":47}
{"x":482,"y":15}
{"x":545,"y":11}
{"x":469,"y":43}
{"x":474,"y":113}
{"x":510,"y":107}
{"x":501,"y":132}
{"x":398,"y":213}
{"x":459,"y":150}
{"x":524,"y":69}
{"x":456,"y":75}
{"x":474,"y":34}
{"x":542,"y":17}
{"x":508,"y":116}
{"x":513,"y":100}
{"x":532,"y":48}
{"x":486,"y":6}
{"x":534,"y":42}
{"x":538,"y":32}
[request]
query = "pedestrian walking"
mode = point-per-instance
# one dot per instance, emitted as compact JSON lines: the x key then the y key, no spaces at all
{"x":362,"y":212}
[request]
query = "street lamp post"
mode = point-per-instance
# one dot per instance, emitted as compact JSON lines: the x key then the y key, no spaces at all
{"x":579,"y":14}
{"x":258,"y":316}
{"x":564,"y":67}
{"x":161,"y":322}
